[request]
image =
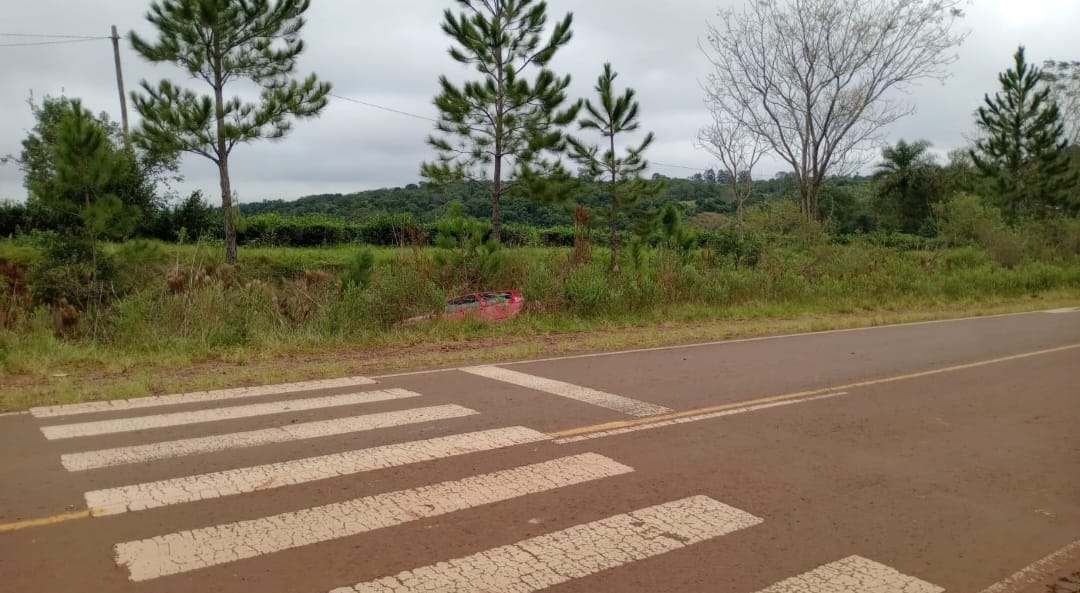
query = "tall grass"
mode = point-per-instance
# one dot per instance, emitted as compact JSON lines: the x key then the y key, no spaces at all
{"x":288,"y":300}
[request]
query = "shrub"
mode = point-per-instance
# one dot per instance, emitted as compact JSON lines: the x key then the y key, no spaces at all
{"x":586,"y":290}
{"x":357,"y":271}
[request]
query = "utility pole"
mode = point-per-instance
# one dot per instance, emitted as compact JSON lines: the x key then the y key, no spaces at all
{"x":120,"y":85}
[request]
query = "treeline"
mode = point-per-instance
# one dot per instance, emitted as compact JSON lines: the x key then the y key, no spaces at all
{"x":426,"y":203}
{"x":400,"y":215}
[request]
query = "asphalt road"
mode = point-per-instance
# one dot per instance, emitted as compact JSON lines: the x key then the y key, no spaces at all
{"x":914,"y":458}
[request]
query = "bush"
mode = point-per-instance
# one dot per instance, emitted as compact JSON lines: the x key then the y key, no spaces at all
{"x":358,"y":268}
{"x":586,"y":290}
{"x":728,"y":245}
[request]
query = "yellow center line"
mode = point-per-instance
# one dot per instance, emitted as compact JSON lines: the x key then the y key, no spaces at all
{"x":17,"y":525}
{"x":797,"y":395}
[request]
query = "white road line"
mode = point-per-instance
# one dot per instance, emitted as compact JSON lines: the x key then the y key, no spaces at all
{"x":292,"y":432}
{"x":548,"y":560}
{"x":84,"y":429}
{"x":196,"y":397}
{"x":853,"y":574}
{"x":275,"y":475}
{"x":576,"y":392}
{"x":1065,"y":310}
{"x":1037,"y":572}
{"x":688,"y":419}
{"x":191,"y":550}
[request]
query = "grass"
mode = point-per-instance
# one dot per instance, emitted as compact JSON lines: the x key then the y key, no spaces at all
{"x":269,"y":322}
{"x":68,"y":376}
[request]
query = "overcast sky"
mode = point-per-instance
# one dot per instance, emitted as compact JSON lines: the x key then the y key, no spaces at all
{"x":391,"y":52}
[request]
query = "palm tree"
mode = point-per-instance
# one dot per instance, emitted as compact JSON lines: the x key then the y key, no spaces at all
{"x":909,"y":185}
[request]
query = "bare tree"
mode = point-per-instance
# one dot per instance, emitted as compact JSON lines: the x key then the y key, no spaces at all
{"x":813,"y":76}
{"x":1063,"y":78}
{"x":738,"y":148}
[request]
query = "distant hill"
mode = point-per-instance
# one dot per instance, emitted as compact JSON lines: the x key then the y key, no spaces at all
{"x":427,"y":203}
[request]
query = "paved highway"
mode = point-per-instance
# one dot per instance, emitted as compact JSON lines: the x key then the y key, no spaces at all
{"x":912,"y":459}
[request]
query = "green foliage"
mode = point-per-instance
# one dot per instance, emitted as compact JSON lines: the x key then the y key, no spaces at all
{"x":847,"y":207}
{"x":358,"y":268}
{"x":502,"y":119}
{"x":269,"y":307}
{"x":587,"y":290}
{"x":83,"y":166}
{"x":218,"y":42}
{"x":909,"y":184}
{"x":191,"y":219}
{"x":134,"y":178}
{"x":744,"y":249}
{"x":69,"y":269}
{"x":467,"y":250}
{"x":1023,"y":153}
{"x":619,"y":175}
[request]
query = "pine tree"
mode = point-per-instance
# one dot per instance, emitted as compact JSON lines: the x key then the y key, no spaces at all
{"x":85,"y":164}
{"x":219,"y":42}
{"x":502,"y":127}
{"x":1023,"y":154}
{"x":614,"y":116}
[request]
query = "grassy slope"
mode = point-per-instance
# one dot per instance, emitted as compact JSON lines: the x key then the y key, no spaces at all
{"x":69,"y":378}
{"x":218,"y":336}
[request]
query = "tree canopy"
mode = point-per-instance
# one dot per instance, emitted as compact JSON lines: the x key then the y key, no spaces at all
{"x":812,"y":76}
{"x":502,"y":127}
{"x":1023,"y":148}
{"x":220,"y":42}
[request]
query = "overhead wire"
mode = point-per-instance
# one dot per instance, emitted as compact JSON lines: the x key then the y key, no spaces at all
{"x":47,"y":36}
{"x":430,"y":119}
{"x":55,"y":42}
{"x":66,"y":39}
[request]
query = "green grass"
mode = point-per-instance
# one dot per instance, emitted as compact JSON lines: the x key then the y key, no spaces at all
{"x":267,"y":321}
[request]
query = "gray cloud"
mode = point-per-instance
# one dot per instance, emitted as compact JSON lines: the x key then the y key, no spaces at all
{"x":391,"y":52}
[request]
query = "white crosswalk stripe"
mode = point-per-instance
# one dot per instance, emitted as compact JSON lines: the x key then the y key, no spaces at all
{"x":200,"y":548}
{"x":196,"y":397}
{"x":853,"y":574}
{"x":84,"y":429}
{"x":264,"y":477}
{"x":528,"y":566}
{"x":548,"y":560}
{"x":579,"y":393}
{"x":293,"y":432}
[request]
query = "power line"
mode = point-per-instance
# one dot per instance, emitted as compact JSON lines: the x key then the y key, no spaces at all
{"x":658,"y":163}
{"x":59,"y":42}
{"x":43,"y":36}
{"x":425,"y":118}
{"x":390,"y":109}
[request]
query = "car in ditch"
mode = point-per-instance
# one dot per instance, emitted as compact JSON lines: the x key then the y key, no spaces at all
{"x":494,"y":305}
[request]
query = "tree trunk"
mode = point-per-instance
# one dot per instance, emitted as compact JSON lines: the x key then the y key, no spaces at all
{"x":231,"y":257}
{"x":500,"y":114}
{"x":740,"y":200}
{"x":614,"y":209}
{"x":496,"y":194}
{"x":808,"y":195}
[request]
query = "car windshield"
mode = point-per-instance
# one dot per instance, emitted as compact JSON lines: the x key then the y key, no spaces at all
{"x":462,"y":302}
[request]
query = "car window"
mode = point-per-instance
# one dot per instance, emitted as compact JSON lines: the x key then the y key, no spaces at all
{"x":462,"y":302}
{"x":496,"y":298}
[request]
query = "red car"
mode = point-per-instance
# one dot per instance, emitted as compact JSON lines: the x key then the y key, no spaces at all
{"x":494,"y":305}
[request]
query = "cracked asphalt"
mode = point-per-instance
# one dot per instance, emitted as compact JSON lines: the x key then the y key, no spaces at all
{"x":906,"y":459}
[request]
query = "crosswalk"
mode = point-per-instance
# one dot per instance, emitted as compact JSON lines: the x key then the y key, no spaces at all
{"x":623,"y":537}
